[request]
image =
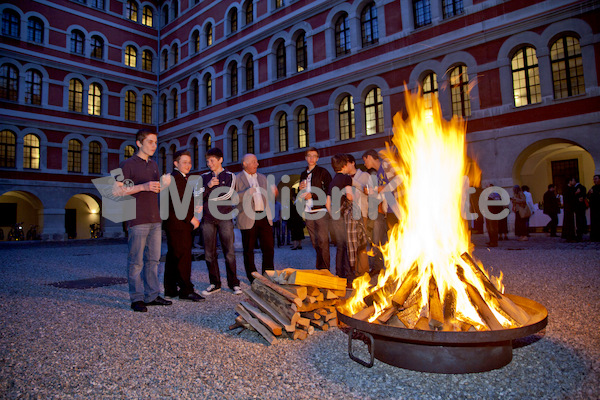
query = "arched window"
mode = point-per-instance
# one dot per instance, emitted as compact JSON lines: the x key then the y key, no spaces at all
{"x":35,"y":30}
{"x":147,"y":60}
{"x":280,"y":55}
{"x":250,"y":138}
{"x":175,"y":99}
{"x":9,"y":82}
{"x":451,"y":8}
{"x":75,"y":95}
{"x":301,"y":53}
{"x":303,"y":127}
{"x":131,"y":10}
{"x":250,"y":73}
{"x":175,"y":7}
{"x":525,"y":77}
{"x":8,"y":149}
{"x":77,"y":42}
{"x":94,"y":99}
{"x":175,"y":51}
{"x":129,"y":151}
{"x":97,"y":44}
{"x":233,"y":20}
{"x":194,"y":88}
{"x":162,"y":153}
{"x":346,"y":118}
{"x":94,"y":158}
{"x":165,"y":59}
{"x":278,"y":3}
{"x":368,"y":23}
{"x":459,"y":86}
{"x":209,"y":35}
{"x":421,"y":12}
{"x":374,"y":112}
{"x":74,"y":156}
{"x":342,"y":35}
{"x":147,"y":16}
{"x":249,"y":12}
{"x":31,"y":151}
{"x":208,"y":89}
{"x":196,"y":41}
{"x":233,"y":78}
{"x":130,"y":100}
{"x":11,"y":24}
{"x":195,"y":153}
{"x":567,"y":67}
{"x":430,"y":89}
{"x":165,"y":15}
{"x":147,"y":109}
{"x":234,"y":144}
{"x":131,"y":56}
{"x":163,"y":102}
{"x":207,"y":142}
{"x":283,"y":133}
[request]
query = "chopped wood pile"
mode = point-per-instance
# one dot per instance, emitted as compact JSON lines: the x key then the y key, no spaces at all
{"x":290,"y":303}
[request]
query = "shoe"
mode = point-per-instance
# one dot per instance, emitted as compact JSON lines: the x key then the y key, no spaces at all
{"x":237,"y":290}
{"x":488,"y":244}
{"x":171,"y":295}
{"x":210,"y":290}
{"x":195,"y":297}
{"x":139,"y":306}
{"x":293,"y":248}
{"x":159,"y":301}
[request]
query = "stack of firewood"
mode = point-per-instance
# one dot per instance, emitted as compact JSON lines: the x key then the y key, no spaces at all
{"x":290,"y":303}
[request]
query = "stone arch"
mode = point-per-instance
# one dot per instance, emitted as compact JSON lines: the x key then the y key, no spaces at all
{"x":29,"y":209}
{"x":82,"y":210}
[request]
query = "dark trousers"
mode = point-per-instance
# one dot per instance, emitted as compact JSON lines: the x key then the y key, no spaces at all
{"x":380,"y":229}
{"x":224,"y":229}
{"x":318,"y":230}
{"x":342,"y":263}
{"x":551,"y":226}
{"x":581,"y":223}
{"x":178,"y":265}
{"x":264,"y":232}
{"x":277,"y":232}
{"x":492,"y":228}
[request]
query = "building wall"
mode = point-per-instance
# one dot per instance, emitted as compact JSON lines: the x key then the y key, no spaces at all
{"x":483,"y":38}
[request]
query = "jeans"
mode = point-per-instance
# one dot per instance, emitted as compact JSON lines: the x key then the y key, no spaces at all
{"x":342,"y":263}
{"x":318,"y":230}
{"x":142,"y":262}
{"x":224,"y":229}
{"x":380,"y":229}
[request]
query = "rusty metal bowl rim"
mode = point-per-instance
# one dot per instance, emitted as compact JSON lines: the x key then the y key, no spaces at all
{"x":538,"y":321}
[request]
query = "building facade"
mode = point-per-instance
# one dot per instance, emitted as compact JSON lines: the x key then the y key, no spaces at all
{"x":273,"y":77}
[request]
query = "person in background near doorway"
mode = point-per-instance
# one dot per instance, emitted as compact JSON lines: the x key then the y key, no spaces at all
{"x":521,"y":211}
{"x":359,"y":261}
{"x":569,"y":204}
{"x":551,"y":209}
{"x":295,"y":226}
{"x":580,"y":207}
{"x":144,"y":232}
{"x":255,"y":218}
{"x":314,"y":182}
{"x":277,"y":225}
{"x":594,"y":200}
{"x":492,"y":224}
{"x":178,"y":265}
{"x":529,"y":200}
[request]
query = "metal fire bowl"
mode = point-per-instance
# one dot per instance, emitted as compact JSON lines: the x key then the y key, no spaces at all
{"x":444,"y":351}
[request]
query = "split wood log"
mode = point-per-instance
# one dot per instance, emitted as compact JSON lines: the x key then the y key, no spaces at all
{"x":271,"y":274}
{"x":319,"y":304}
{"x":323,"y":311}
{"x":409,"y":316}
{"x":333,"y":294}
{"x":317,"y":279}
{"x":406,"y":288}
{"x":333,"y":322}
{"x":310,"y":299}
{"x":317,"y":322}
{"x":466,"y":257}
{"x":422,"y":324}
{"x":312,"y":291}
{"x":365,"y":313}
{"x":260,"y":328}
{"x":288,"y":322}
{"x":267,"y":321}
{"x":324,"y":327}
{"x":396,"y":322}
{"x":279,"y":302}
{"x":480,"y":305}
{"x":436,"y":313}
{"x":277,"y":288}
{"x":514,"y":311}
{"x":298,"y":291}
{"x":299,"y":334}
{"x":308,"y":329}
{"x":387,"y":314}
{"x":303,"y":322}
{"x":314,"y":315}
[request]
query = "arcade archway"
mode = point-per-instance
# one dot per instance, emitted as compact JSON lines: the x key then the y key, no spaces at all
{"x":21,"y":207}
{"x":81,"y":211}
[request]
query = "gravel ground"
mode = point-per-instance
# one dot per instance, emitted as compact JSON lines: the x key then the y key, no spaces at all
{"x":87,"y":343}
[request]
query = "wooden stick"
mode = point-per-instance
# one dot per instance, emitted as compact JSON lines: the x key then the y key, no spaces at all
{"x":299,"y":334}
{"x":299,"y":291}
{"x":480,"y":274}
{"x":311,"y":315}
{"x":260,"y":328}
{"x":280,"y":303}
{"x":406,"y":288}
{"x":319,"y":304}
{"x":387,"y":314}
{"x":277,"y":288}
{"x":303,"y":322}
{"x":364,"y":313}
{"x":436,"y":314}
{"x":482,"y":308}
{"x":283,"y":320}
{"x":267,"y":321}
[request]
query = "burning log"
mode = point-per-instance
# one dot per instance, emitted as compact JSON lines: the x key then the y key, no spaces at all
{"x":436,"y":313}
{"x":364,"y":313}
{"x":407,"y":287}
{"x":409,"y":316}
{"x":387,"y":314}
{"x":422,"y":324}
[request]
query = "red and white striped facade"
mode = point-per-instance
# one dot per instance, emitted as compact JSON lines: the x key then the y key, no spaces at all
{"x":196,"y":51}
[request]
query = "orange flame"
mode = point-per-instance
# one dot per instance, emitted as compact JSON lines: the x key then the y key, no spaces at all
{"x":429,"y":154}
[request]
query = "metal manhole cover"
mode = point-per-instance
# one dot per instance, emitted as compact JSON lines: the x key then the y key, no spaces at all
{"x":89,"y":283}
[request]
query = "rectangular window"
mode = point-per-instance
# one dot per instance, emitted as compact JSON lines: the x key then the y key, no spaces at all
{"x":422,"y":12}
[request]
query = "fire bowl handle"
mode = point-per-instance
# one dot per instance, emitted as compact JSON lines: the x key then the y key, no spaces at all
{"x":370,"y":345}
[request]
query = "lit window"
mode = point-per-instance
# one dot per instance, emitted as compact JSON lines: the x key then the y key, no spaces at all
{"x":368,"y":23}
{"x":147,"y":16}
{"x":567,"y":67}
{"x":74,"y":156}
{"x":35,"y":30}
{"x":283,"y":133}
{"x":526,"y":77}
{"x":459,"y":84}
{"x":249,"y":12}
{"x":301,"y":53}
{"x":97,"y":47}
{"x":208,"y":89}
{"x":9,"y":82}
{"x":94,"y":99}
{"x":346,"y":118}
{"x":430,"y":89}
{"x":207,"y":142}
{"x":250,"y":138}
{"x":234,"y":78}
{"x":422,"y":12}
{"x":278,"y":3}
{"x":8,"y":149}
{"x":131,"y":11}
{"x":147,"y":60}
{"x":147,"y":109}
{"x":302,"y":128}
{"x":196,"y":41}
{"x":94,"y":158}
{"x":75,"y":95}
{"x":131,"y":56}
{"x":31,"y":151}
{"x":209,"y":35}
{"x":342,"y":36}
{"x":234,"y":144}
{"x":130,"y":100}
{"x":129,"y":151}
{"x":374,"y":112}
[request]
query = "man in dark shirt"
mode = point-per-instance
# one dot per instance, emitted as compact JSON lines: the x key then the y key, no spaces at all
{"x":594,"y":200}
{"x":314,"y":184}
{"x":580,"y":207}
{"x":551,"y":209}
{"x":218,"y":187}
{"x":143,"y":182}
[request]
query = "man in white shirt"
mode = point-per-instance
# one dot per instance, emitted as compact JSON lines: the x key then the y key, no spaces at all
{"x":529,"y":201}
{"x":255,"y":218}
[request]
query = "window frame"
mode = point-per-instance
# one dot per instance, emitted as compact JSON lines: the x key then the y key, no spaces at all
{"x":369,"y":26}
{"x":35,"y":30}
{"x":74,"y":156}
{"x":129,"y":112}
{"x":75,"y":95}
{"x":342,"y":31}
{"x":95,"y":99}
{"x":302,"y":126}
{"x":31,"y":152}
{"x":95,"y":157}
{"x":9,"y":82}
{"x":349,"y":115}
{"x":8,"y":149}
{"x":375,"y":106}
